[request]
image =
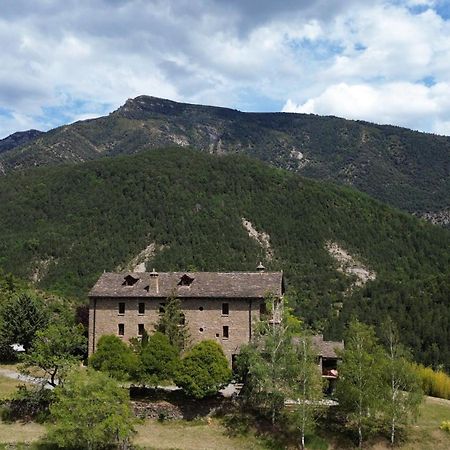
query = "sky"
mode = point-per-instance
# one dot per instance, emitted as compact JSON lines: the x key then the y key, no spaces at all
{"x":375,"y":60}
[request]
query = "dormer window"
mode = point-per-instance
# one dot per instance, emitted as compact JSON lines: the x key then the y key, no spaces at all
{"x":185,"y":280}
{"x":129,"y":280}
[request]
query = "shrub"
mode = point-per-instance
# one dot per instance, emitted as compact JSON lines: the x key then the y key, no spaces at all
{"x":445,"y":426}
{"x":204,"y":370}
{"x":159,"y":360}
{"x":114,"y":357}
{"x":28,"y":404}
{"x":436,"y":384}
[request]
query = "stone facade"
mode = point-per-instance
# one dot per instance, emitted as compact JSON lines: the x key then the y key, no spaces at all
{"x":227,"y":319}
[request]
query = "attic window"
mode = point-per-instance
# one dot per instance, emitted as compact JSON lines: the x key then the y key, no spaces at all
{"x":185,"y":280}
{"x":129,"y":280}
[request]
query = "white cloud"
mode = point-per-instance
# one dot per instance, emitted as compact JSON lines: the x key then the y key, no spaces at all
{"x":405,"y":104}
{"x":61,"y":62}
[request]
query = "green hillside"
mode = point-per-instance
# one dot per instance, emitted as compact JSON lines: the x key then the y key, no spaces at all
{"x":404,"y":168}
{"x":64,"y":225}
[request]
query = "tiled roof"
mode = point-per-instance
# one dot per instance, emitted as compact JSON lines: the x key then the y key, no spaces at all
{"x":326,"y":349}
{"x":203,"y":284}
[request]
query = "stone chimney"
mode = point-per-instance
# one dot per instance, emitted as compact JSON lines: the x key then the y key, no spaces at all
{"x":154,"y":281}
{"x":260,"y":267}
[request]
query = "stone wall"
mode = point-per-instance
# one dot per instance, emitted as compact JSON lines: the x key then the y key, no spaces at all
{"x":203,"y":316}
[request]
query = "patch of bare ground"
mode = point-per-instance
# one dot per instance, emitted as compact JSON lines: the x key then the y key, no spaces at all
{"x":40,"y":269}
{"x":139,"y":262}
{"x":261,"y":237}
{"x":350,"y":265}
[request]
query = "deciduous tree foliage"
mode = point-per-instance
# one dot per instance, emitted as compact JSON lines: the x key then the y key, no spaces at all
{"x":91,"y":411}
{"x":203,"y":370}
{"x":280,"y":364}
{"x":403,"y":394}
{"x":307,"y":388}
{"x":360,"y":389}
{"x":269,"y":364}
{"x":159,"y":360}
{"x":114,"y":357}
{"x":55,"y":349}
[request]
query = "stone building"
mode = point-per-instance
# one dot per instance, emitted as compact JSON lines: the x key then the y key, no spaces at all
{"x":219,"y":306}
{"x":328,"y":359}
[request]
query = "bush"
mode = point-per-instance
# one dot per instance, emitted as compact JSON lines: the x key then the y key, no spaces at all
{"x":159,"y":360}
{"x":436,"y":384}
{"x":28,"y":404}
{"x":445,"y":426}
{"x":204,"y":370}
{"x":114,"y":357}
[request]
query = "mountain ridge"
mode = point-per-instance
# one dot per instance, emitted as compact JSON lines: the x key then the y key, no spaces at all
{"x":407,"y":169}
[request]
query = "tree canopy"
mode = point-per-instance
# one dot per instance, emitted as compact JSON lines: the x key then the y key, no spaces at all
{"x":203,"y":370}
{"x":159,"y":360}
{"x":55,"y":349}
{"x":114,"y":357}
{"x":90,"y":411}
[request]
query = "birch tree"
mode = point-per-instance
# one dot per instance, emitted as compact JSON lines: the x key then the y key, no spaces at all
{"x":404,"y":394}
{"x":271,"y":359}
{"x":360,"y":386}
{"x":307,"y":387}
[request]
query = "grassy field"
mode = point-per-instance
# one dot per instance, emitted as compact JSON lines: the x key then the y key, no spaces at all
{"x":191,"y":436}
{"x":8,"y":386}
{"x":152,"y":435}
{"x":423,"y":435}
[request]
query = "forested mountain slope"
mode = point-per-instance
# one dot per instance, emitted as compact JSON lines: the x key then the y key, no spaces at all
{"x":184,"y":210}
{"x":407,"y":169}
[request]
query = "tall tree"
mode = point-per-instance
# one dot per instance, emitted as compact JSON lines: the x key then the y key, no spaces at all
{"x":55,"y":349}
{"x":21,"y":317}
{"x":360,"y":386}
{"x":307,"y":388}
{"x":91,"y":411}
{"x":270,"y":363}
{"x":172,"y":323}
{"x":404,"y":394}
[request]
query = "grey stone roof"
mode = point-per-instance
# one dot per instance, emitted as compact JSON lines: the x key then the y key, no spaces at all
{"x":326,"y":349}
{"x":203,"y":284}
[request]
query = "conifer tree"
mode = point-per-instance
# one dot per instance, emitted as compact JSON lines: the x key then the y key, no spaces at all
{"x":172,"y":323}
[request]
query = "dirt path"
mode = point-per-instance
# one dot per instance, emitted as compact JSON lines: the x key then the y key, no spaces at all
{"x":8,"y":373}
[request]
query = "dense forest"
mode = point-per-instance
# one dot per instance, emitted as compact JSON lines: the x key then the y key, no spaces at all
{"x":62,"y":226}
{"x":404,"y":168}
